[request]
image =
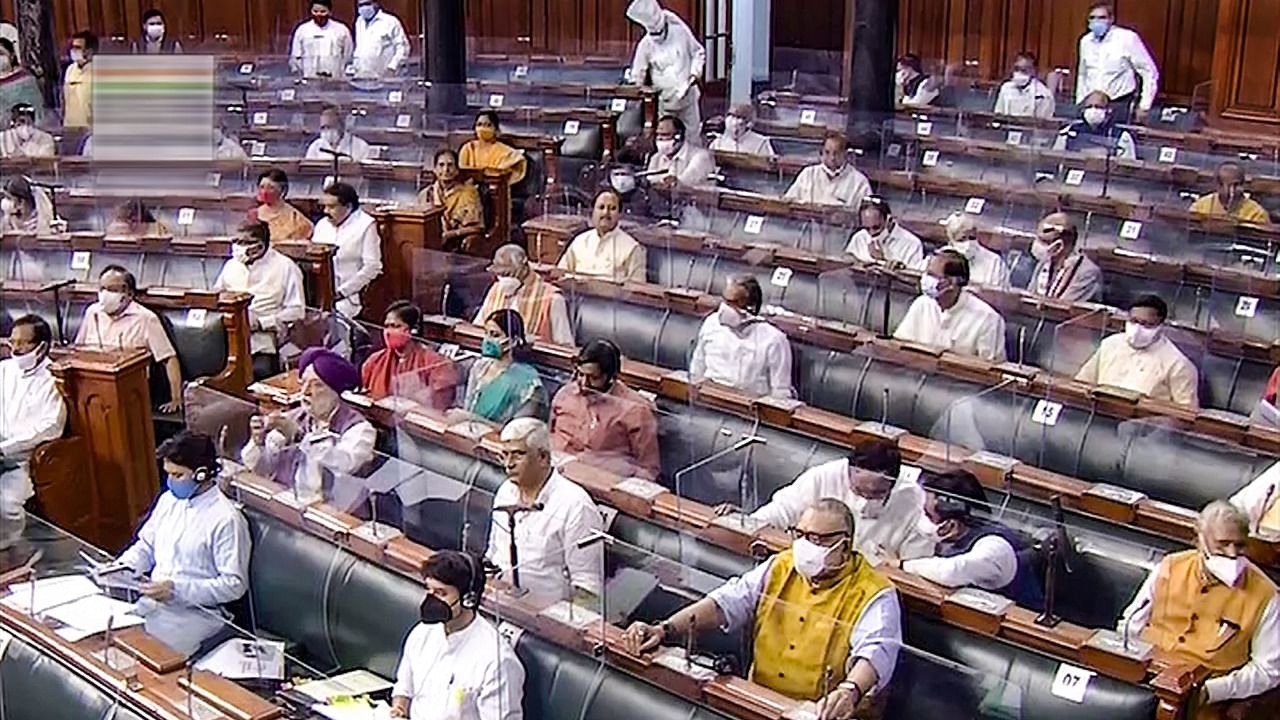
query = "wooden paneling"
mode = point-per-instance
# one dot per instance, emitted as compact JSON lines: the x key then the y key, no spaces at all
{"x":1247,"y":62}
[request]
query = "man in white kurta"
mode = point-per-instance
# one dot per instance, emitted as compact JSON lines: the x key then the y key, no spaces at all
{"x":321,"y":47}
{"x":32,"y":411}
{"x":884,"y":240}
{"x":382,"y":47}
{"x":274,"y":281}
{"x":738,"y":348}
{"x":884,"y":496}
{"x":1023,"y":94}
{"x":23,"y":139}
{"x":194,"y":547}
{"x":985,"y":267}
{"x":606,"y":251}
{"x":673,"y":59}
{"x":739,"y":137}
{"x":455,"y":664}
{"x":1112,"y":59}
{"x":334,"y":137}
{"x":676,"y":161}
{"x":1144,"y":360}
{"x":1260,"y":501}
{"x":948,"y":316}
{"x":834,"y":181}
{"x":553,"y":520}
{"x":358,"y":259}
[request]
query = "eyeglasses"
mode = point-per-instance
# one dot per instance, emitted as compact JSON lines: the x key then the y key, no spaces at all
{"x":822,"y":539}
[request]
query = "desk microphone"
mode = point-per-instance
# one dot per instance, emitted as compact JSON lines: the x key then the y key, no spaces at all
{"x":335,"y":154}
{"x":517,"y":508}
{"x":513,"y":554}
{"x":1128,"y":620}
{"x":191,"y":689}
{"x":1266,"y":503}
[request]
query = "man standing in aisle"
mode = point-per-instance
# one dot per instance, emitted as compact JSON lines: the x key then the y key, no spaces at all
{"x":77,"y":84}
{"x":321,"y":47}
{"x":1112,"y":59}
{"x":381,"y":44}
{"x":674,"y":59}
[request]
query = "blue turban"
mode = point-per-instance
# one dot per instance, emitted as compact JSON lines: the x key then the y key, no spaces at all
{"x":333,"y":370}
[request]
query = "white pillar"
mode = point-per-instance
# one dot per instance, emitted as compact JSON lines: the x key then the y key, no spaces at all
{"x":750,"y":36}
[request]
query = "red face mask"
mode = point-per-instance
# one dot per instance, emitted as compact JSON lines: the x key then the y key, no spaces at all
{"x":266,"y":196}
{"x":395,"y":338}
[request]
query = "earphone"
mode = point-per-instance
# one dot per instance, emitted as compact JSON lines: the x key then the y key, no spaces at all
{"x":471,"y":598}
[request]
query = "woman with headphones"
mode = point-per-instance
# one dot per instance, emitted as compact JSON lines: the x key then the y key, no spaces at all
{"x":456,"y":666}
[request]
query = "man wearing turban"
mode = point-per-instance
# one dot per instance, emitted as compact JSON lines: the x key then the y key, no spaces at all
{"x":323,"y":442}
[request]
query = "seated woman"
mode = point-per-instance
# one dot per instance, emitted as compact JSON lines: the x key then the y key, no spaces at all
{"x":25,"y":209}
{"x":463,"y":216}
{"x":285,"y":220}
{"x":503,"y":384}
{"x":408,"y":369}
{"x":135,"y":219}
{"x":487,"y":152}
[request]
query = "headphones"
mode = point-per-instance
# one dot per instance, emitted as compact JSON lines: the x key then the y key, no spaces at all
{"x":475,"y":584}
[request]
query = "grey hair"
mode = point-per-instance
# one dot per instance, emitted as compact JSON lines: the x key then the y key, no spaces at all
{"x":511,"y":254}
{"x":1220,"y":511}
{"x":832,"y":506}
{"x":531,"y":432}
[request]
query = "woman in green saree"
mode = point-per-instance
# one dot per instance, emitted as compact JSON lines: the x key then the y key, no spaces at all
{"x":17,"y":86}
{"x":503,"y":384}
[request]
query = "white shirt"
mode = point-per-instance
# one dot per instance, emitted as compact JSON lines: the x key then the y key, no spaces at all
{"x":986,"y":267}
{"x":617,"y":256}
{"x":356,"y":147}
{"x":991,"y":564}
{"x":691,"y":166}
{"x":472,"y":674}
{"x":39,"y":145}
{"x":750,"y":143}
{"x":755,"y":359}
{"x":814,"y":185}
{"x":926,"y":93}
{"x":358,"y":260}
{"x":275,"y":282}
{"x":1159,"y":371}
{"x":1259,"y":496}
{"x":381,"y":45}
{"x":672,"y":61}
{"x":876,"y":637}
{"x":551,"y":563}
{"x":892,"y":529}
{"x":901,"y":246}
{"x":202,"y":545}
{"x":970,"y":327}
{"x":229,"y":149}
{"x":32,"y":410}
{"x":319,"y":50}
{"x":1033,"y":101}
{"x":322,"y":449}
{"x":1113,"y":65}
{"x":1260,"y":674}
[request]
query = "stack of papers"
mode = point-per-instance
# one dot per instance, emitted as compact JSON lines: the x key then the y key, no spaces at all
{"x":49,"y":592}
{"x":75,"y":603}
{"x":238,"y":659}
{"x":353,"y":709}
{"x":356,"y":682}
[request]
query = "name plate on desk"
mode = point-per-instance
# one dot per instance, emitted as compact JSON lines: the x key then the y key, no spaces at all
{"x":1124,"y":496}
{"x":740,"y":522}
{"x":1110,"y":641}
{"x":784,"y":404}
{"x":289,"y":498}
{"x":646,"y":490}
{"x":673,"y":659}
{"x":377,"y":534}
{"x":980,"y":601}
{"x":994,"y":460}
{"x":565,"y":613}
{"x":884,"y":430}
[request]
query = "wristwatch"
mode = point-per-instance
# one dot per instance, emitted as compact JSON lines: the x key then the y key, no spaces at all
{"x":852,"y":686}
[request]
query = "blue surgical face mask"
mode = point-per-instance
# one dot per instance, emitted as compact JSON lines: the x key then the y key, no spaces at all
{"x":182,"y":488}
{"x":367,"y":11}
{"x":491,"y":348}
{"x":1099,"y":28}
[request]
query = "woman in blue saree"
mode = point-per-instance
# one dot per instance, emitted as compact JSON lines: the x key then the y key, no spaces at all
{"x":504,"y":384}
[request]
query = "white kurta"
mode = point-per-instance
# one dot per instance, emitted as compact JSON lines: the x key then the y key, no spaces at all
{"x":321,"y":449}
{"x":356,"y":147}
{"x":31,"y":412}
{"x":39,"y":144}
{"x":970,"y":327}
{"x":202,"y":545}
{"x":1114,"y":64}
{"x":1258,"y":498}
{"x":991,"y":564}
{"x":1033,"y":101}
{"x":986,"y":267}
{"x":756,"y":360}
{"x":472,"y":674}
{"x":358,"y":260}
{"x":902,"y":246}
{"x":672,"y":62}
{"x":691,"y":166}
{"x":275,"y":282}
{"x":815,"y":186}
{"x":317,"y":51}
{"x":381,"y":45}
{"x":617,"y":256}
{"x":551,"y":562}
{"x":749,"y":143}
{"x":893,"y":529}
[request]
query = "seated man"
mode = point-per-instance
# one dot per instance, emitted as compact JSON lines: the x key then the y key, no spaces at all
{"x":1023,"y":95}
{"x":1234,"y":603}
{"x":226,"y":147}
{"x":834,"y":181}
{"x":912,"y":87}
{"x":973,"y":551}
{"x":739,"y":137}
{"x":678,"y":162}
{"x":1260,"y":501}
{"x":552,"y":518}
{"x":1062,"y":270}
{"x":518,"y":287}
{"x":1231,"y":200}
{"x":116,"y":321}
{"x":739,"y":348}
{"x":23,"y":139}
{"x":274,"y":281}
{"x":887,"y":507}
{"x":194,"y":546}
{"x":601,"y":421}
{"x":1142,"y":359}
{"x":311,"y":448}
{"x":455,"y":664}
{"x":882,"y":239}
{"x":948,"y":316}
{"x":605,"y":250}
{"x":853,"y":632}
{"x":334,"y":137}
{"x":1096,"y":132}
{"x":985,"y":267}
{"x":32,"y":411}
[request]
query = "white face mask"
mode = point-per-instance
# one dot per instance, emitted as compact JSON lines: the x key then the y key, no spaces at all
{"x":930,"y":286}
{"x":1095,"y":116}
{"x":811,"y":560}
{"x":77,"y":56}
{"x":508,"y":285}
{"x":7,"y":206}
{"x":622,"y":181}
{"x":731,"y":317}
{"x":155,"y":32}
{"x":24,"y":132}
{"x":1021,"y":79}
{"x":330,"y":136}
{"x":240,"y":253}
{"x":28,"y":362}
{"x":1141,"y":336}
{"x":872,"y":509}
{"x":734,"y":125}
{"x":1043,"y":251}
{"x":666,"y":147}
{"x":1228,"y":570}
{"x":111,"y":300}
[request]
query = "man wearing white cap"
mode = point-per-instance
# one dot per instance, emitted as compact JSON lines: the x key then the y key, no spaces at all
{"x":674,"y":60}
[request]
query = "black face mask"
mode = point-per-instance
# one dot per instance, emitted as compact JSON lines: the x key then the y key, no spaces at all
{"x":435,"y":611}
